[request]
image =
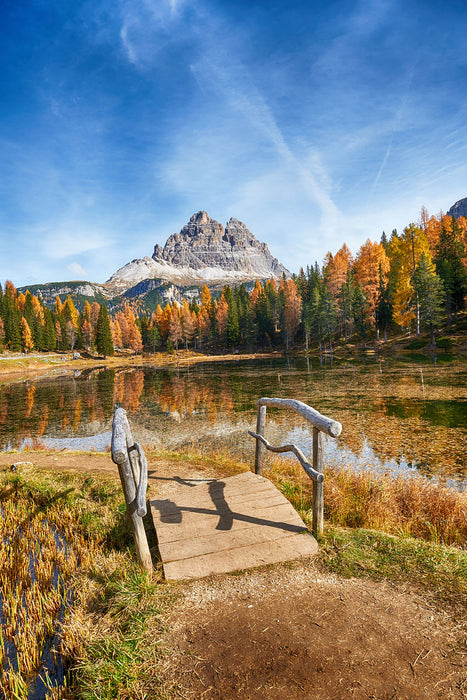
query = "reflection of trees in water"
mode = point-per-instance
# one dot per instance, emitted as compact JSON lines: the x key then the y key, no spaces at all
{"x":393,"y":417}
{"x":430,"y":448}
{"x":67,"y":406}
{"x":34,"y":409}
{"x":185,"y":394}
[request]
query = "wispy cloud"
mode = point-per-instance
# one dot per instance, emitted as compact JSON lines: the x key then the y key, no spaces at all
{"x":76,"y":269}
{"x":148,"y":26}
{"x":70,"y":240}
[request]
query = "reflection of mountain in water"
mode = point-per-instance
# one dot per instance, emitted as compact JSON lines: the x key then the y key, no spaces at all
{"x":389,"y":416}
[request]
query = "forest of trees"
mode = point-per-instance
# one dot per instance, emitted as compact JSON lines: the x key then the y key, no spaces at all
{"x":411,"y":281}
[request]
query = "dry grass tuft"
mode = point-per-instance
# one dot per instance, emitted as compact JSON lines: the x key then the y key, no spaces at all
{"x":397,"y":505}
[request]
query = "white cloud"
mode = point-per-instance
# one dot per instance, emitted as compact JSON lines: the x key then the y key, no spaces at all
{"x":65,"y":241}
{"x":76,"y":269}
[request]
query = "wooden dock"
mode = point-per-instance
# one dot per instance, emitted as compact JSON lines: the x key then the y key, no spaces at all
{"x":224,"y":525}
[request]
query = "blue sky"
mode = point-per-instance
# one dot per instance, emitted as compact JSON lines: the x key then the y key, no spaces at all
{"x":314,"y":123}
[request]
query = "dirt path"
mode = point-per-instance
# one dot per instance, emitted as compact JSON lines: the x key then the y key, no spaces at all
{"x":290,"y":631}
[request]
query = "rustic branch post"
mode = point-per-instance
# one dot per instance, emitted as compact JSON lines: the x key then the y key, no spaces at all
{"x":260,"y":427}
{"x":321,"y":424}
{"x":124,"y":455}
{"x":318,"y":486}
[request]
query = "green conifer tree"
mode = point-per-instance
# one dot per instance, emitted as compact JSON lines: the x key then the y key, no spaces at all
{"x":431,"y":294}
{"x":383,"y":311}
{"x":103,"y":333}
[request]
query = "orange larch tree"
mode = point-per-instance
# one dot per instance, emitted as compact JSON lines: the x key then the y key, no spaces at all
{"x":336,"y":269}
{"x":188,"y":323}
{"x":175,"y":326}
{"x":292,"y":310}
{"x":116,"y":334}
{"x":371,"y":258}
{"x":221,"y":313}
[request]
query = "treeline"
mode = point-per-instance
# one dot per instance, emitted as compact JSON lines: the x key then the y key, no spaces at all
{"x":409,"y":281}
{"x":27,"y":324}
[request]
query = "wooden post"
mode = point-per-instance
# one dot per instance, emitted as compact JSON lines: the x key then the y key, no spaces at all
{"x":121,"y":458}
{"x":318,"y":491}
{"x":260,"y":427}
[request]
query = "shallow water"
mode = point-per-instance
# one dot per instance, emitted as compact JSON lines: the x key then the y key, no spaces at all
{"x":402,"y":416}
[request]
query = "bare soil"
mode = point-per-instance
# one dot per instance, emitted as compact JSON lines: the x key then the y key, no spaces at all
{"x":292,"y":631}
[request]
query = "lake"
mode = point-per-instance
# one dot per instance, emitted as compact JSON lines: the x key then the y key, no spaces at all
{"x":403,"y":416}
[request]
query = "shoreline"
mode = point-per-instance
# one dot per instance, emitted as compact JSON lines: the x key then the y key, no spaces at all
{"x":13,"y":365}
{"x":16,"y":366}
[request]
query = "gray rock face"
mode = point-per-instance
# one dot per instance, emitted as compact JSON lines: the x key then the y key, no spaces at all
{"x":203,"y":253}
{"x":204,"y":243}
{"x":459,"y":208}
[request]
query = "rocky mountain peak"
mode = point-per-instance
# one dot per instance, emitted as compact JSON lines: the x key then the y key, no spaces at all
{"x":202,"y":218}
{"x":203,"y":251}
{"x":459,"y":208}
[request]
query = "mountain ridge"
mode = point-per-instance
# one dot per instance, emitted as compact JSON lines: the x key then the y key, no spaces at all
{"x":458,"y":209}
{"x":203,"y":251}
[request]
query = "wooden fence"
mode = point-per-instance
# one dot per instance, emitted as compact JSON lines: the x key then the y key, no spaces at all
{"x":133,"y":470}
{"x":321,"y":424}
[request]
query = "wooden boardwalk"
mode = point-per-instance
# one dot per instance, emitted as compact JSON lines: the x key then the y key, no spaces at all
{"x":225,"y":525}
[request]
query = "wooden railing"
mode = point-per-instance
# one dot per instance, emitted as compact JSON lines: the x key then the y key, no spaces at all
{"x":133,"y":471}
{"x":321,"y":424}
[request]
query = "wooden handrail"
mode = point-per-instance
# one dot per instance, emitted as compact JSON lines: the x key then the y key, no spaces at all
{"x":133,"y":471}
{"x":327,"y":425}
{"x":321,"y":424}
{"x":312,"y":473}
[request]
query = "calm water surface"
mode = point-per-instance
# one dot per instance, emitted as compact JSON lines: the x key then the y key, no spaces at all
{"x":408,"y":416}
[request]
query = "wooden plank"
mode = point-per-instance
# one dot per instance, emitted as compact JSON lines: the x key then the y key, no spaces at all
{"x":166,"y":512}
{"x":167,"y":506}
{"x":223,"y":539}
{"x":198,"y":524}
{"x":239,"y":558}
{"x":229,"y":524}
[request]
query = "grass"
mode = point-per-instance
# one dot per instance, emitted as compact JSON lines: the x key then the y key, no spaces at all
{"x":106,"y":617}
{"x":69,"y":583}
{"x":415,"y":345}
{"x":435,"y":568}
{"x":404,"y":506}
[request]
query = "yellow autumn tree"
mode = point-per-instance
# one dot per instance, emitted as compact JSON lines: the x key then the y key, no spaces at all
{"x":175,"y":326}
{"x":38,"y":310}
{"x":255,"y":294}
{"x":58,"y":306}
{"x":405,"y":252}
{"x":206,"y":300}
{"x":116,"y":334}
{"x":26,"y":335}
{"x":134,"y":339}
{"x":70,"y":313}
{"x":20,"y":301}
{"x":221,"y":313}
{"x":188,"y":324}
{"x":403,"y":311}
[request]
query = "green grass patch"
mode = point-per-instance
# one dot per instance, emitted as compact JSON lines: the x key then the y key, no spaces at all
{"x":415,"y":345}
{"x":440,"y":570}
{"x":444,"y":343}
